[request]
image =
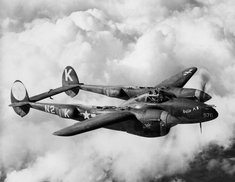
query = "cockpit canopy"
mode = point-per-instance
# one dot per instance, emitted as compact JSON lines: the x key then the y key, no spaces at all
{"x":152,"y":98}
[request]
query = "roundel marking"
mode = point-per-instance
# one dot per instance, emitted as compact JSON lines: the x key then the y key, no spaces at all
{"x":18,"y":91}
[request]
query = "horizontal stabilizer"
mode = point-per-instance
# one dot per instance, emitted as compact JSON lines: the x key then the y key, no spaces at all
{"x":52,"y":92}
{"x":95,"y":123}
{"x":18,"y":104}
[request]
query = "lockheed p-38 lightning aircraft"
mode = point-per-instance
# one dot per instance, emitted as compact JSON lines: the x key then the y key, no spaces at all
{"x":146,"y":112}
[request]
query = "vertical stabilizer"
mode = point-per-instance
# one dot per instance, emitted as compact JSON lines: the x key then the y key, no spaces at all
{"x":70,"y":78}
{"x":19,"y":95}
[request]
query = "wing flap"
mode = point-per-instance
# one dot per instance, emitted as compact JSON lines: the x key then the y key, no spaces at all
{"x":95,"y":123}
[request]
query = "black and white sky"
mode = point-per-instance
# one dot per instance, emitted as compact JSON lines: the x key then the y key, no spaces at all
{"x":116,"y":42}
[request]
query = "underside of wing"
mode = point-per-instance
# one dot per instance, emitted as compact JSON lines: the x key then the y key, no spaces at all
{"x":180,"y":79}
{"x":96,"y":122}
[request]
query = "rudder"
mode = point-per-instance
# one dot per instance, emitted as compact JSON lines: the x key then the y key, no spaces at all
{"x":70,"y":78}
{"x":19,"y":95}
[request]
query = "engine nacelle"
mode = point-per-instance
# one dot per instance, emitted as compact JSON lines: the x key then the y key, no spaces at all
{"x":157,"y":121}
{"x":188,"y":93}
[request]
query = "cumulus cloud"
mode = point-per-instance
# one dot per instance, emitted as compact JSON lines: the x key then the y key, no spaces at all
{"x":113,"y":42}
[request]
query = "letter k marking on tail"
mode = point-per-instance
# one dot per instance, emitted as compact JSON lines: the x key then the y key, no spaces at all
{"x":67,"y":75}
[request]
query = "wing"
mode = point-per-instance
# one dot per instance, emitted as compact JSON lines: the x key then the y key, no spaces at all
{"x":96,"y":122}
{"x":125,"y":92}
{"x":180,"y":79}
{"x":71,"y":86}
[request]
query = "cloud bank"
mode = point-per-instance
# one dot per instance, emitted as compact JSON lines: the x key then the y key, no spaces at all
{"x":114,"y":42}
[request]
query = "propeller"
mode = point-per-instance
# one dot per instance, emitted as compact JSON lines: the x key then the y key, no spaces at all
{"x":200,"y":126}
{"x":205,"y":80}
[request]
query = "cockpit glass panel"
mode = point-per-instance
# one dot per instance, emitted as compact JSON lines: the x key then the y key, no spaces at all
{"x":156,"y":98}
{"x":141,"y":98}
{"x":152,"y":98}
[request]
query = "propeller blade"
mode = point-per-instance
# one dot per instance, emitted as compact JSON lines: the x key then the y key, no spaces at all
{"x":203,"y":86}
{"x":205,"y":80}
{"x":201,"y":127}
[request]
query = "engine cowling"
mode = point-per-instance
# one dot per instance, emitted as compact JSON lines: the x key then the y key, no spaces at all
{"x":157,"y":121}
{"x":188,"y":93}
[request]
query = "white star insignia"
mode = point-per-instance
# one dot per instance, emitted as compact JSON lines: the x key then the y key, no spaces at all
{"x":86,"y":115}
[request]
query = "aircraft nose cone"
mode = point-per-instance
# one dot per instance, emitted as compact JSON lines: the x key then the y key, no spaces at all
{"x":215,"y":113}
{"x":205,"y":97}
{"x":209,"y":113}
